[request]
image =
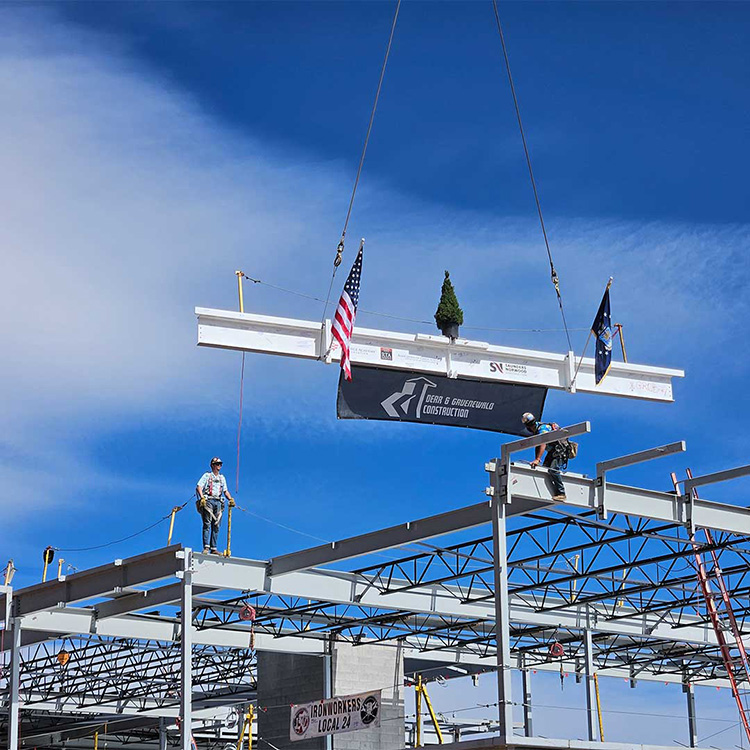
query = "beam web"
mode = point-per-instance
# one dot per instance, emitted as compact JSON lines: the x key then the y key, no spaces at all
{"x":590,"y":687}
{"x":186,"y":652}
{"x":528,"y":726}
{"x":689,"y":691}
{"x":502,"y":622}
{"x":15,"y":682}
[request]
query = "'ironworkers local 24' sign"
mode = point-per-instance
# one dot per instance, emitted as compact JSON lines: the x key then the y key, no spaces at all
{"x":346,"y":713}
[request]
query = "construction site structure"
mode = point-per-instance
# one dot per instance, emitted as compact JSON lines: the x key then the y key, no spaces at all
{"x":600,"y":585}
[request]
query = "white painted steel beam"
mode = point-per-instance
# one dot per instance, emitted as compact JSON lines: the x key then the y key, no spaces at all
{"x":477,"y":360}
{"x":531,"y":484}
{"x":96,"y":582}
{"x":395,"y":536}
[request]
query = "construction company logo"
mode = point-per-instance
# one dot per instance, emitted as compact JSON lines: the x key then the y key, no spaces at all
{"x":386,"y":354}
{"x":416,"y":400}
{"x":503,"y":368}
{"x":413,"y":393}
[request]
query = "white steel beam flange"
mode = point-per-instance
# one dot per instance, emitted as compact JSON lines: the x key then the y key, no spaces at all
{"x":477,"y":360}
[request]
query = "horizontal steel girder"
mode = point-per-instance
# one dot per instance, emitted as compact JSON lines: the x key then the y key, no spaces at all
{"x":478,"y":360}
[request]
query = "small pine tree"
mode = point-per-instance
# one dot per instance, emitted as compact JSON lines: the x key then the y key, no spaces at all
{"x":448,"y":311}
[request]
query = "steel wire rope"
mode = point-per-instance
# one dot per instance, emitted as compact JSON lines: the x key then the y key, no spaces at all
{"x":340,"y":247}
{"x":123,"y":539}
{"x":553,"y":272}
{"x":361,"y":310}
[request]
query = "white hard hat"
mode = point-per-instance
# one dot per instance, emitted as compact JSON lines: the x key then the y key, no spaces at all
{"x":528,"y":417}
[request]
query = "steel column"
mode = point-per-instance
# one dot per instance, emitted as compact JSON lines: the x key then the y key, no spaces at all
{"x":528,"y":727}
{"x":327,"y":683}
{"x":186,"y":652}
{"x":689,"y":691}
{"x":162,"y":733}
{"x":502,"y":621}
{"x":15,"y":681}
{"x":589,"y":683}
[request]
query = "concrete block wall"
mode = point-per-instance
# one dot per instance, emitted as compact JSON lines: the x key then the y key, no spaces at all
{"x":284,"y":679}
{"x":357,"y":669}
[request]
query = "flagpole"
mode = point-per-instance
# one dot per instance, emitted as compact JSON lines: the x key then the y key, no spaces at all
{"x":591,"y":331}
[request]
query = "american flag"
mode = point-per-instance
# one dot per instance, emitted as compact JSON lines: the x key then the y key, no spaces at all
{"x":346,"y":312}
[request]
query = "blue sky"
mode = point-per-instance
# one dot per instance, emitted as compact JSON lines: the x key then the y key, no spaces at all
{"x":150,"y":149}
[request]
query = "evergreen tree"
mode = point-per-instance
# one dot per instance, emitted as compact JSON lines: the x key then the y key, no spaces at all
{"x":448,"y":311}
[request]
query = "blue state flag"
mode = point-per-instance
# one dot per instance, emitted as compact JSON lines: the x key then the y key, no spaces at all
{"x":602,"y":329}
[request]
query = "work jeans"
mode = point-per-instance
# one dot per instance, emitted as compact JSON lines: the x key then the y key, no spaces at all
{"x":211,"y":517}
{"x":554,"y":464}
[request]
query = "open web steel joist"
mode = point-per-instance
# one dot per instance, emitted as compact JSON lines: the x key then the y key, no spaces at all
{"x":476,"y":360}
{"x":609,"y":575}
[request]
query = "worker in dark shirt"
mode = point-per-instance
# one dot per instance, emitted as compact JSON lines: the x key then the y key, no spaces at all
{"x":556,"y":457}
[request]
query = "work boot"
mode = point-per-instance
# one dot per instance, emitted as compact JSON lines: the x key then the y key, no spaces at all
{"x":558,"y":497}
{"x":206,"y":550}
{"x":214,"y":551}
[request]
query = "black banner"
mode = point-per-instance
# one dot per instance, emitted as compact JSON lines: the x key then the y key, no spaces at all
{"x":406,"y":396}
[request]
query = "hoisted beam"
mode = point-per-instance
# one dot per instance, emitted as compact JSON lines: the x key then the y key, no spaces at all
{"x":478,"y":360}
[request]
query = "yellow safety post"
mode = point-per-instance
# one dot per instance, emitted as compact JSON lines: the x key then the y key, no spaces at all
{"x":618,"y":326}
{"x":59,"y":567}
{"x":228,"y":550}
{"x":171,"y":524}
{"x":48,"y":555}
{"x":240,"y":276}
{"x":599,"y":707}
{"x":432,"y":714}
{"x":418,"y":697}
{"x":247,"y":724}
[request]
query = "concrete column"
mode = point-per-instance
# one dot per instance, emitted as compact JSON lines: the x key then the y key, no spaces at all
{"x":528,"y":727}
{"x":689,"y":691}
{"x":502,"y":622}
{"x":591,"y":717}
{"x":14,"y":715}
{"x":186,"y":652}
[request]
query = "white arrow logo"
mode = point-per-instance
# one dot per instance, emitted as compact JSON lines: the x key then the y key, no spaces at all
{"x":406,"y":395}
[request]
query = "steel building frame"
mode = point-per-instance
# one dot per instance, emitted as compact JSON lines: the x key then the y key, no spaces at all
{"x":608,"y":574}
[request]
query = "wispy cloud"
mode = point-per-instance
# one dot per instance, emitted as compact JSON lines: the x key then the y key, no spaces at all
{"x":128,"y":204}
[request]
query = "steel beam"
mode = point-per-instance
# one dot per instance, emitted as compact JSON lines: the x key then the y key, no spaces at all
{"x":144,"y":600}
{"x":502,"y":622}
{"x":14,"y":686}
{"x":186,"y":652}
{"x":692,"y":724}
{"x":719,"y":476}
{"x":630,"y":460}
{"x":530,"y":484}
{"x":395,"y":536}
{"x":588,"y":651}
{"x":477,"y":360}
{"x":89,"y":584}
{"x":528,"y":724}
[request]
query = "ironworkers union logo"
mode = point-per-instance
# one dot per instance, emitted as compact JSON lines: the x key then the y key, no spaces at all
{"x":369,"y":711}
{"x":301,"y":721}
{"x":412,"y":394}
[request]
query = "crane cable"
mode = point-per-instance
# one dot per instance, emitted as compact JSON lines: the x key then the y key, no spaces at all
{"x":340,"y":246}
{"x":553,"y":272}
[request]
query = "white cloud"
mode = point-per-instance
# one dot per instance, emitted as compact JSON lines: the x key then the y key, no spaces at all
{"x":127,"y":205}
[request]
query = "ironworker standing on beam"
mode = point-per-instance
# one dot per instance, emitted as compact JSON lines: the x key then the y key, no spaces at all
{"x":556,"y":458}
{"x":210,"y":490}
